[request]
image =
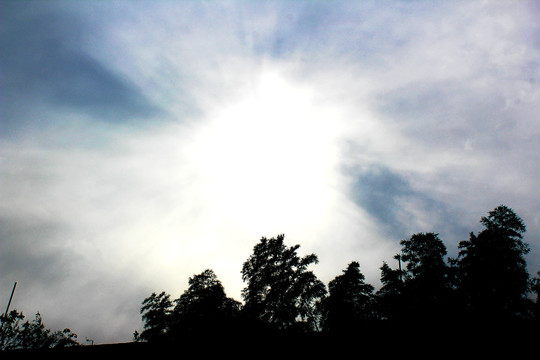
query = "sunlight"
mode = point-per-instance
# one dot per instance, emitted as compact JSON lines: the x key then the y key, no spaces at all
{"x":268,"y":161}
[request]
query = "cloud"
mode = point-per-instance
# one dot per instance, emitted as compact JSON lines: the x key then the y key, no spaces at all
{"x":45,"y":66}
{"x":144,"y":142}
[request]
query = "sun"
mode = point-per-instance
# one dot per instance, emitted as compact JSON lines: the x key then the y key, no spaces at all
{"x":268,"y":160}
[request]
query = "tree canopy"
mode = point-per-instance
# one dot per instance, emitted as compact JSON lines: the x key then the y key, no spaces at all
{"x":492,"y":271}
{"x":425,"y":278}
{"x":487,"y":282}
{"x":204,"y":306}
{"x":156,"y":311}
{"x":16,"y":334}
{"x":280,"y":290}
{"x":350,"y":302}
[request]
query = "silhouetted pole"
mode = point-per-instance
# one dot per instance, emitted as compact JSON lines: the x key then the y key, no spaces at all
{"x":11,"y":297}
{"x":5,"y":316}
{"x":398,"y":258}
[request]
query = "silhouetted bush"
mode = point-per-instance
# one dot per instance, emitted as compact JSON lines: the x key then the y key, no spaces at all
{"x":16,"y":334}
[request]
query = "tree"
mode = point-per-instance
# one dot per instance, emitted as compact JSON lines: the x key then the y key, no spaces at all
{"x":32,"y":334}
{"x":202,"y":309}
{"x":156,"y":312}
{"x":425,"y":277}
{"x":204,"y":306}
{"x":388,"y":297}
{"x":280,"y":290}
{"x":424,"y":256}
{"x":350,"y":301}
{"x":492,"y":270}
{"x":10,"y":330}
{"x":507,"y":223}
{"x":535,"y":287}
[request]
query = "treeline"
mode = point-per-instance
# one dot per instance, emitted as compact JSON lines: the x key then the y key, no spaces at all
{"x":486,"y":288}
{"x":18,"y":333}
{"x":486,"y":285}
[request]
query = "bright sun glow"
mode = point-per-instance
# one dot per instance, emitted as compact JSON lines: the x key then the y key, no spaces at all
{"x":268,"y":160}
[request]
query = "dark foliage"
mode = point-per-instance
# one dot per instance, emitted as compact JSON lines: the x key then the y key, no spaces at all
{"x":492,"y":277}
{"x":280,"y":290}
{"x":485,"y":290}
{"x":156,"y":314}
{"x":483,"y":298}
{"x":425,"y":279}
{"x":203,"y":309}
{"x":16,"y":334}
{"x":535,"y":307}
{"x":350,"y":304}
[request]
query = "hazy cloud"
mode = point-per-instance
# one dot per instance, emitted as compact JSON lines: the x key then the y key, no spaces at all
{"x":144,"y":142}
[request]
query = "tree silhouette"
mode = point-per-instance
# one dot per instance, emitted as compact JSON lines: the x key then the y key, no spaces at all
{"x":428,"y":295}
{"x":388,"y":298}
{"x":492,"y":272}
{"x":535,"y":288}
{"x":32,"y":334}
{"x":419,"y":293}
{"x":504,"y":221}
{"x":204,"y":307}
{"x":425,"y":277}
{"x":350,"y":304}
{"x":156,"y":311}
{"x":280,"y":290}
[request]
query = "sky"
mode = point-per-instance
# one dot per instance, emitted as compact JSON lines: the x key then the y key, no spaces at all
{"x":142,"y":142}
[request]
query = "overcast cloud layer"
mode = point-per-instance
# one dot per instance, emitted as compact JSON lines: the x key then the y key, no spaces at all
{"x":143,"y":142}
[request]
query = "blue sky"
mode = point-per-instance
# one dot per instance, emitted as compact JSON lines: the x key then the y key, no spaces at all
{"x":143,"y":142}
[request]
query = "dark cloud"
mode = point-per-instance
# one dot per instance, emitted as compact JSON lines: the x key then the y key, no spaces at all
{"x":44,"y":64}
{"x":378,"y":190}
{"x":392,"y":200}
